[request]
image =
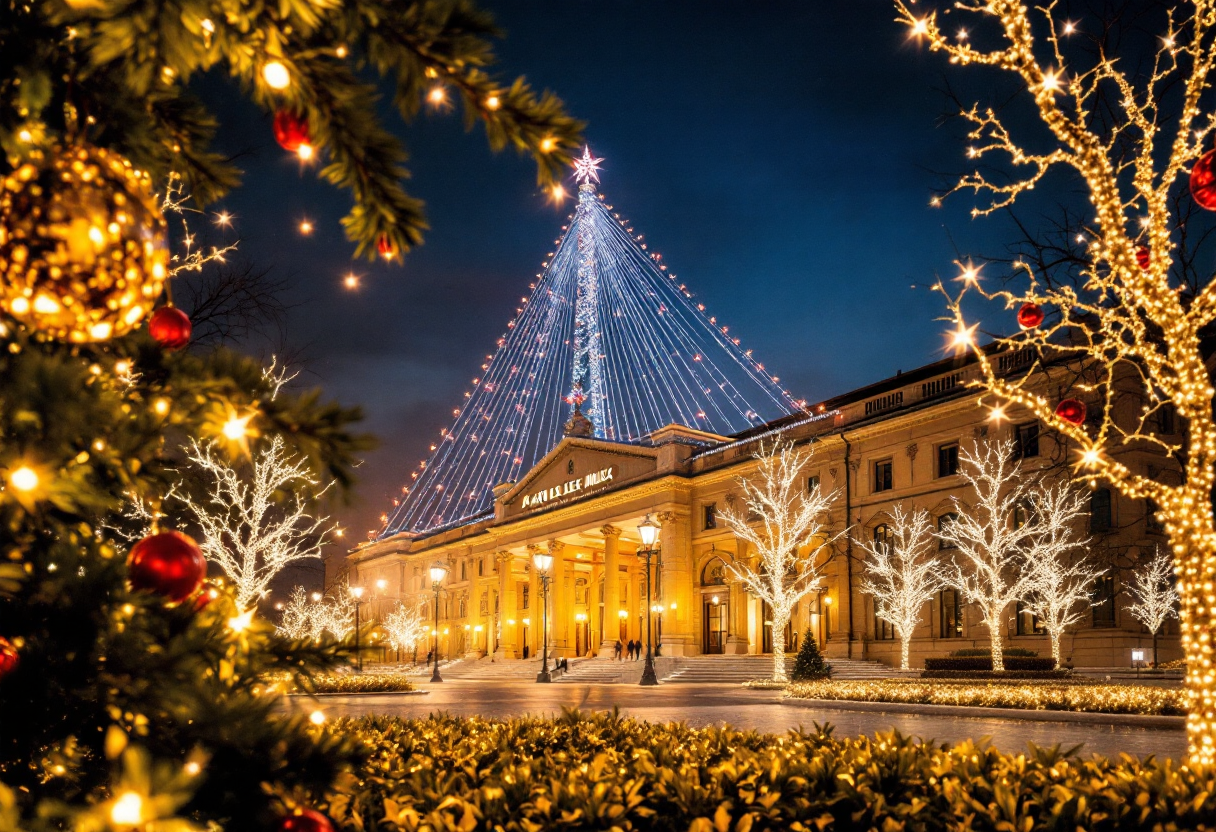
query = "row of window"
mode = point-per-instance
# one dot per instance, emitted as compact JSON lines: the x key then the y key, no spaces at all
{"x":950,"y":613}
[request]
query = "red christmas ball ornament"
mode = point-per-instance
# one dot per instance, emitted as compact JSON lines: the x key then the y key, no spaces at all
{"x":386,"y":247}
{"x":1030,"y":315}
{"x":291,"y":131}
{"x":8,"y":657}
{"x":169,"y":564}
{"x":1144,"y":256}
{"x":1071,"y":411}
{"x":170,"y":327}
{"x":1203,"y":181}
{"x":306,"y":820}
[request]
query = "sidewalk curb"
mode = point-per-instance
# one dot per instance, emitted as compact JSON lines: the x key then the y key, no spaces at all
{"x":1168,"y":723}
{"x":362,"y":693}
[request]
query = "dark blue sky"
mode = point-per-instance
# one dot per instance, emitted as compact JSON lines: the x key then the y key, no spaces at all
{"x":779,"y":155}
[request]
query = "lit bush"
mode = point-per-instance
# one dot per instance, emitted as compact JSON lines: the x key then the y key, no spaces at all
{"x":602,"y":772}
{"x":361,"y":683}
{"x":1109,"y":699}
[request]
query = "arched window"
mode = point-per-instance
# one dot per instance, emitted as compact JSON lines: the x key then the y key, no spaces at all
{"x":883,"y":534}
{"x":714,"y":573}
{"x":943,"y":523}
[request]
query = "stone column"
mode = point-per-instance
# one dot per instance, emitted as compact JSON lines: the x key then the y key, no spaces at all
{"x":508,"y":619}
{"x":736,"y":640}
{"x":560,"y":603}
{"x":535,"y":611}
{"x":612,"y":589}
{"x":636,"y":602}
{"x":676,"y":584}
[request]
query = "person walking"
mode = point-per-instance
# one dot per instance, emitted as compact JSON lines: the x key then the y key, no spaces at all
{"x":616,"y":650}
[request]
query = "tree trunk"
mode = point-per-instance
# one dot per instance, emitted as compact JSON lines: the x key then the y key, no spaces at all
{"x":1194,"y":543}
{"x":905,"y":642}
{"x":779,"y":647}
{"x":994,"y":635}
{"x":1155,"y":648}
{"x":1055,"y":647}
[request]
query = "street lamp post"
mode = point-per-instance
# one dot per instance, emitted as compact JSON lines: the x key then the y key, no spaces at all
{"x":544,"y":562}
{"x":439,"y":571}
{"x":648,"y":530}
{"x":357,"y":593}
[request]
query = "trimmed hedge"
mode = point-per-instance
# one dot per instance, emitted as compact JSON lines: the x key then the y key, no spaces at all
{"x":987,"y":652}
{"x":985,"y":663}
{"x":360,"y":683}
{"x":1041,"y":696}
{"x":996,"y":675}
{"x":602,"y":772}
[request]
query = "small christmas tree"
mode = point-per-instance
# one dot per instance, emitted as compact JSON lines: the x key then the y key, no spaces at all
{"x":810,"y":664}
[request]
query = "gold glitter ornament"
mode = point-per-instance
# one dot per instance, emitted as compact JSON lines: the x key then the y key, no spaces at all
{"x":83,"y":251}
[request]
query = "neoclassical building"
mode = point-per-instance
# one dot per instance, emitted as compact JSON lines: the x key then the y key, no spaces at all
{"x":896,"y":441}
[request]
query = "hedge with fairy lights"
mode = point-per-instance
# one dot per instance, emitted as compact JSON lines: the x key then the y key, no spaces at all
{"x":1124,"y":106}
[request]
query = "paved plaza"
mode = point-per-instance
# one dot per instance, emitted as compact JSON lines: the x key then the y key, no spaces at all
{"x":704,"y":704}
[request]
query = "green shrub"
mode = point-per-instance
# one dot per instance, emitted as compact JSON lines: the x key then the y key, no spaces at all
{"x":987,"y":651}
{"x":985,"y":663}
{"x":810,"y":664}
{"x":996,"y":674}
{"x":601,"y":772}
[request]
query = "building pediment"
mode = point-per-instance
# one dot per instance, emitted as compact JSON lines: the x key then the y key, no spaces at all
{"x":574,"y":469}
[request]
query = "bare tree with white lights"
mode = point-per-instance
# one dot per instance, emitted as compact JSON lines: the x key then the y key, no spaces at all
{"x":404,"y":627}
{"x":902,"y":574}
{"x":991,"y":538}
{"x":785,"y":523}
{"x":1130,"y":128}
{"x":248,"y":529}
{"x":1155,"y":597}
{"x":1060,"y":583}
{"x":295,"y":620}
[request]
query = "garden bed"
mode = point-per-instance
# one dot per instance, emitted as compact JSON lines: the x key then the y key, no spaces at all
{"x":605,"y":772}
{"x":360,"y":683}
{"x":1042,"y":696}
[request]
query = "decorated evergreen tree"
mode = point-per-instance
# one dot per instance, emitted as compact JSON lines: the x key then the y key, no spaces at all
{"x":133,"y":694}
{"x":809,"y":663}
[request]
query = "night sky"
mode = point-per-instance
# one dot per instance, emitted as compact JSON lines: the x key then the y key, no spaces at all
{"x":780,"y":156}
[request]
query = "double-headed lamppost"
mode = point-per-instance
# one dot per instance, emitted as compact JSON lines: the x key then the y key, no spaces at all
{"x":356,"y":592}
{"x":649,"y":531}
{"x":439,"y":571}
{"x":544,"y":562}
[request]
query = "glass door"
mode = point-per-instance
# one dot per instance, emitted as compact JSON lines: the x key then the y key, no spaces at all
{"x":715,"y":618}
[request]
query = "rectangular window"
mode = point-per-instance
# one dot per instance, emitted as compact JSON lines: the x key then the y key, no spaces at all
{"x":1165,"y":419}
{"x":481,"y":567}
{"x":883,"y":630}
{"x":951,"y":614}
{"x":711,"y":516}
{"x":464,"y":570}
{"x":524,"y":597}
{"x":1104,"y":601}
{"x":1152,"y":525}
{"x":1028,"y":622}
{"x":812,"y":483}
{"x":1100,"y":510}
{"x":882,"y":476}
{"x":947,"y":460}
{"x":1026,"y":441}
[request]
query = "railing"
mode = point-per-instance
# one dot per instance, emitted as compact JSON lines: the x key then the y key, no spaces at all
{"x":885,"y":402}
{"x":940,"y":385}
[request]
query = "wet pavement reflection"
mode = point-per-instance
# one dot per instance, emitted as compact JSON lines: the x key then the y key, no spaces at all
{"x":702,"y":705}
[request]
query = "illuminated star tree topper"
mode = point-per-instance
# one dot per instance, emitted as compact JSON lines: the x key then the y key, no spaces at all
{"x":586,"y":169}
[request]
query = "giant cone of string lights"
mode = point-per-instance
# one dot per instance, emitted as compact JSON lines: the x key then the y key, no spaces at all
{"x":83,"y":253}
{"x":604,"y":317}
